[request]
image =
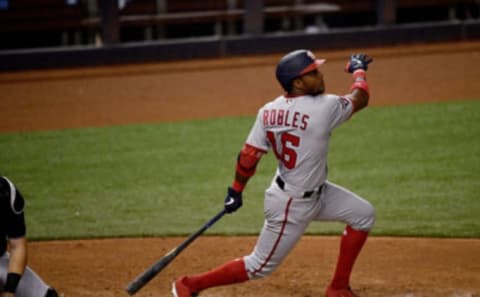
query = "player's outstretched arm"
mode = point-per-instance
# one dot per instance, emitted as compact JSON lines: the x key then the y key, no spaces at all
{"x":358,"y":65}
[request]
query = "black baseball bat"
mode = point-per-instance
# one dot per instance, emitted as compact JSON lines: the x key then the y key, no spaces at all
{"x":142,"y":279}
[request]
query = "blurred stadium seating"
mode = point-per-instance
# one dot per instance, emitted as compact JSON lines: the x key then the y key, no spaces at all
{"x":67,"y":33}
{"x":50,"y":23}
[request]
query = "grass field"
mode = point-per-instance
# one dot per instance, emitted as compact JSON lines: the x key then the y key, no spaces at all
{"x":418,"y":164}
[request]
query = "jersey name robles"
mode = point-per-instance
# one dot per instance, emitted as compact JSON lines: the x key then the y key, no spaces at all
{"x":298,"y":129}
{"x":281,"y":117}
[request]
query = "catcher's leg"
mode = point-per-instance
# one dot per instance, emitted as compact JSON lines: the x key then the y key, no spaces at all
{"x":30,"y":284}
{"x":51,"y":293}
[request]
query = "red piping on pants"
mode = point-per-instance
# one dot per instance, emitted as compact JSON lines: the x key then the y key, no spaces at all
{"x":284,"y":223}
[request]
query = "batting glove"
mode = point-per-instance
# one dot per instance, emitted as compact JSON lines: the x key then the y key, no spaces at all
{"x":233,"y":201}
{"x":358,"y":61}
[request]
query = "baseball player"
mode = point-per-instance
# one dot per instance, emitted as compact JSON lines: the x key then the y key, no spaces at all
{"x":296,"y":126}
{"x":16,"y":278}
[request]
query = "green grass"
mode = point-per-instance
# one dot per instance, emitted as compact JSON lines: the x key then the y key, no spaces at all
{"x":422,"y":168}
{"x":418,"y":164}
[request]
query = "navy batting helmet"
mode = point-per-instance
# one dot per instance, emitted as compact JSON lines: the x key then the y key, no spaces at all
{"x":295,"y":64}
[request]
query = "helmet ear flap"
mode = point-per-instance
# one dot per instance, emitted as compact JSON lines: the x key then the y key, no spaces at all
{"x":291,"y":84}
{"x":287,"y":84}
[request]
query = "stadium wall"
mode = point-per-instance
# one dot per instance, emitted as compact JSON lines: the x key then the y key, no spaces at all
{"x":225,"y":46}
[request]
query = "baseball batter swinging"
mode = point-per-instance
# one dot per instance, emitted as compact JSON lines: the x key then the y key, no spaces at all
{"x":16,"y":278}
{"x":297,"y":128}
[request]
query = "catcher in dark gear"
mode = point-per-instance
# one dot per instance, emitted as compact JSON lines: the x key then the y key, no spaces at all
{"x":16,"y":278}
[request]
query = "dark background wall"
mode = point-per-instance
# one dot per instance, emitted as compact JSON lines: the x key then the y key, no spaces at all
{"x":64,"y":33}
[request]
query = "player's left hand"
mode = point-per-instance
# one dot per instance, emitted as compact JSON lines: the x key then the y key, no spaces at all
{"x":233,"y":201}
{"x":358,"y":61}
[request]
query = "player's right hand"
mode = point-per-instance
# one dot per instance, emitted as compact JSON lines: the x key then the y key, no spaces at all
{"x":233,"y":201}
{"x":358,"y":61}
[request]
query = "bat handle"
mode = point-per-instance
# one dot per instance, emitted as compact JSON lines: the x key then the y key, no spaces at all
{"x":147,"y":275}
{"x":215,"y":218}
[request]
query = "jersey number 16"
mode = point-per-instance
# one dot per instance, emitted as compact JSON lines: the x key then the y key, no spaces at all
{"x":286,"y":154}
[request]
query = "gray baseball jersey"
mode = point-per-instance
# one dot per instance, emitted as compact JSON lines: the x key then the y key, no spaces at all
{"x":298,"y":130}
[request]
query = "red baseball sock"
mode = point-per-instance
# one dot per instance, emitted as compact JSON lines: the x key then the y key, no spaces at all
{"x":350,"y":246}
{"x":229,"y":273}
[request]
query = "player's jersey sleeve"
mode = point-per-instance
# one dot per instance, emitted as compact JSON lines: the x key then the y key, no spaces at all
{"x":257,"y":137}
{"x":341,"y":110}
{"x":17,"y":229}
{"x":12,"y":206}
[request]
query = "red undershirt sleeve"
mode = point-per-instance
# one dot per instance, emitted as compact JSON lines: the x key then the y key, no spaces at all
{"x":247,"y":161}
